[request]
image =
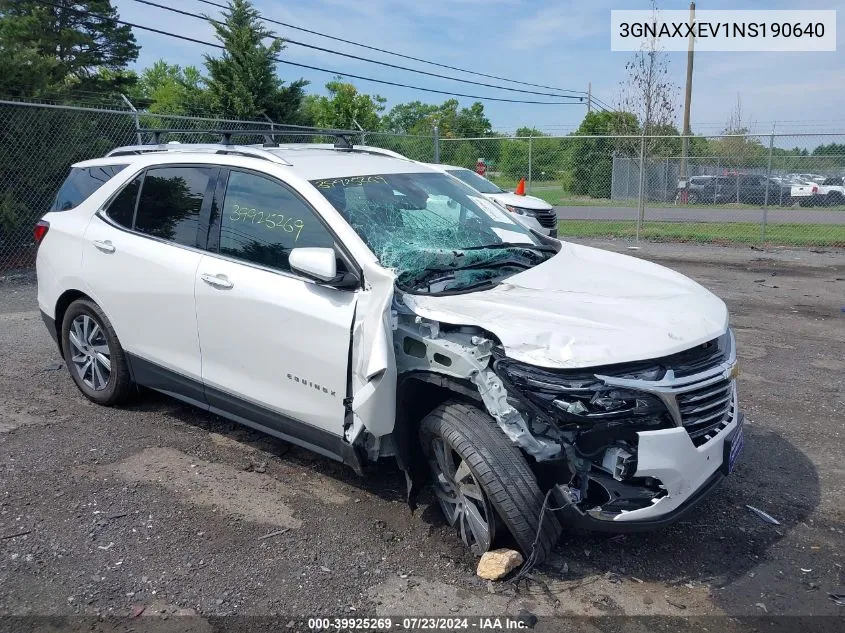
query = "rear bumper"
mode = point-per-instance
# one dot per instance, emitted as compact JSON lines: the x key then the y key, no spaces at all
{"x":50,"y":323}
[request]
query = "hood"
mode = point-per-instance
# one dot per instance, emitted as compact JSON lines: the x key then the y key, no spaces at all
{"x":586,"y":307}
{"x":526,"y":202}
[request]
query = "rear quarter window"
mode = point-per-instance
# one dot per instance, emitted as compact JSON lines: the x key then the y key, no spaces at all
{"x":81,"y":183}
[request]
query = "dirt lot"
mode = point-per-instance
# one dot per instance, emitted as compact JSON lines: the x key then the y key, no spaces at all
{"x":162,"y":507}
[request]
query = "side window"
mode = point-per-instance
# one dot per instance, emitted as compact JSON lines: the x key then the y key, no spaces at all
{"x":170,"y":203}
{"x":263,"y":220}
{"x":81,"y":183}
{"x":122,"y":207}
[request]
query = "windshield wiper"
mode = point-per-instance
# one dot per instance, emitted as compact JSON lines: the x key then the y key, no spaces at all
{"x":533,"y":247}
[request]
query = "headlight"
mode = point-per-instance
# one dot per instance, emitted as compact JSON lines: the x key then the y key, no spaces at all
{"x":580,"y":398}
{"x":517,"y":210}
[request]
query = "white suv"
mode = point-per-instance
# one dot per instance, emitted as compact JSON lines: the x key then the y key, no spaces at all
{"x":367,"y":306}
{"x":533,"y":212}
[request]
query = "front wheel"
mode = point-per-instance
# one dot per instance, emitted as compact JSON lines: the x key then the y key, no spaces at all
{"x":93,"y":354}
{"x":483,"y":483}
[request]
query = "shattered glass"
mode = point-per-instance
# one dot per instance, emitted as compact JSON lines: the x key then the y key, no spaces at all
{"x":436,"y":233}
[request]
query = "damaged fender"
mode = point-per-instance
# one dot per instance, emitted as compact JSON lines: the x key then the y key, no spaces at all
{"x":421,"y":346}
{"x":372,"y":399}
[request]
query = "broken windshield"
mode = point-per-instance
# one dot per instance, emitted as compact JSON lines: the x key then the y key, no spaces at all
{"x":479,"y":183}
{"x":437,"y":234}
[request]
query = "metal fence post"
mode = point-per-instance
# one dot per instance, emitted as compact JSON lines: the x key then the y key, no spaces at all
{"x":530,"y":151}
{"x":768,"y":177}
{"x":436,"y":144}
{"x":134,"y":116}
{"x":641,"y":194}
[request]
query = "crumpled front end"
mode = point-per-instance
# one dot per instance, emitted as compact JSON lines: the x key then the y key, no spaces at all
{"x":641,"y":442}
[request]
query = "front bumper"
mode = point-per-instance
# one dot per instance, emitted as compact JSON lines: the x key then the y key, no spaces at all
{"x":688,"y":474}
{"x":533,"y":223}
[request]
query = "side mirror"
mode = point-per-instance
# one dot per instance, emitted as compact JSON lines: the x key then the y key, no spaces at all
{"x":315,"y":263}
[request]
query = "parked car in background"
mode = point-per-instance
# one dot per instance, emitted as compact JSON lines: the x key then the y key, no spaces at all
{"x":780,"y":191}
{"x":697,"y":185}
{"x":832,"y":192}
{"x":737,"y":188}
{"x":812,"y":178}
{"x":535,"y":213}
{"x":805,"y":193}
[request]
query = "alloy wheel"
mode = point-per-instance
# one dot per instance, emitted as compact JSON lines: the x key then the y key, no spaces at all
{"x":461,"y":497}
{"x":90,"y":352}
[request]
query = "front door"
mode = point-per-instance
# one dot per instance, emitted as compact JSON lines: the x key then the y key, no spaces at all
{"x":275,"y":346}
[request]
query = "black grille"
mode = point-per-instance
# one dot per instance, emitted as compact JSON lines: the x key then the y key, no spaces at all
{"x":547,"y":219}
{"x":706,"y":410}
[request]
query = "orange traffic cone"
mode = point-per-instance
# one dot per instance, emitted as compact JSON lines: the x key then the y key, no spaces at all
{"x":520,"y":188}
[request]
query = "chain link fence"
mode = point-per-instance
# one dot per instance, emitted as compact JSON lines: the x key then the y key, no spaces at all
{"x":778,"y":188}
{"x":781,"y":189}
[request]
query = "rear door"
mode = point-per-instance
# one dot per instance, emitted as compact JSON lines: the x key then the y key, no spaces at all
{"x":275,"y":345}
{"x":140,"y":260}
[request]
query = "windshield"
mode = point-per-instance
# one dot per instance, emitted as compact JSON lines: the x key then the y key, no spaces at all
{"x":479,"y":183}
{"x":437,"y":233}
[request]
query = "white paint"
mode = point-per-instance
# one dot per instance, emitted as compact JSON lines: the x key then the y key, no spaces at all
{"x":273,"y":338}
{"x":493,"y":210}
{"x":587,"y":307}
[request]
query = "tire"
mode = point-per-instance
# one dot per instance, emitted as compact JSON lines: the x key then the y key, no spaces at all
{"x":835,"y":199}
{"x":509,"y":489}
{"x":692,"y":198}
{"x":93,"y":355}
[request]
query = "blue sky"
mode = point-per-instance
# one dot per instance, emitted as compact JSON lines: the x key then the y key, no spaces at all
{"x":560,"y":43}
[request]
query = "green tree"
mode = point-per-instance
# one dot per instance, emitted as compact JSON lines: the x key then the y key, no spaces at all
{"x":170,"y":89}
{"x":409,"y":118}
{"x":344,"y":107}
{"x":48,"y":51}
{"x":591,"y":159}
{"x":452,"y":121}
{"x":243,"y":82}
{"x":735,"y":148}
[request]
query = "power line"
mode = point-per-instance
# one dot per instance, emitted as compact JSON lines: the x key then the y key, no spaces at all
{"x":317,"y":68}
{"x":364,"y":59}
{"x":416,"y":59}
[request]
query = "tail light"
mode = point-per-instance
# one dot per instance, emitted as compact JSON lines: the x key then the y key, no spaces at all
{"x":815,"y":189}
{"x":40,"y":230}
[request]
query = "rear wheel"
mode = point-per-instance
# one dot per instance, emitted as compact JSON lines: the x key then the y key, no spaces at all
{"x":835,"y":199}
{"x":483,"y":483}
{"x":93,"y":354}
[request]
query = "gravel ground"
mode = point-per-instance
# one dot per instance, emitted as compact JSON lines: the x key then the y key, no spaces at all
{"x":162,"y":508}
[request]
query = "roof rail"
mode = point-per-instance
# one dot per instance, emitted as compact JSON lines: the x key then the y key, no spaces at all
{"x":225,"y":146}
{"x":341,"y":136}
{"x":213,"y":148}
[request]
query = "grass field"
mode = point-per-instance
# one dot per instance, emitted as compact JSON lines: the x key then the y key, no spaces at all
{"x":786,"y":234}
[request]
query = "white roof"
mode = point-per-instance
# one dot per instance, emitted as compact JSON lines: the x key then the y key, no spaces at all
{"x":308,"y":161}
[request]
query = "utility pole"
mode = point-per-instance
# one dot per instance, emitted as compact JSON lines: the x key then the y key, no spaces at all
{"x":589,"y":97}
{"x":688,"y":98}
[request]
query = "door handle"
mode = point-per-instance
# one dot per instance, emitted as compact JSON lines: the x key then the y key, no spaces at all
{"x":104,"y":245}
{"x":218,"y":281}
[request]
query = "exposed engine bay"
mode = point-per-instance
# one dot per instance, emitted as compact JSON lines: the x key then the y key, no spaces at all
{"x":625,"y":442}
